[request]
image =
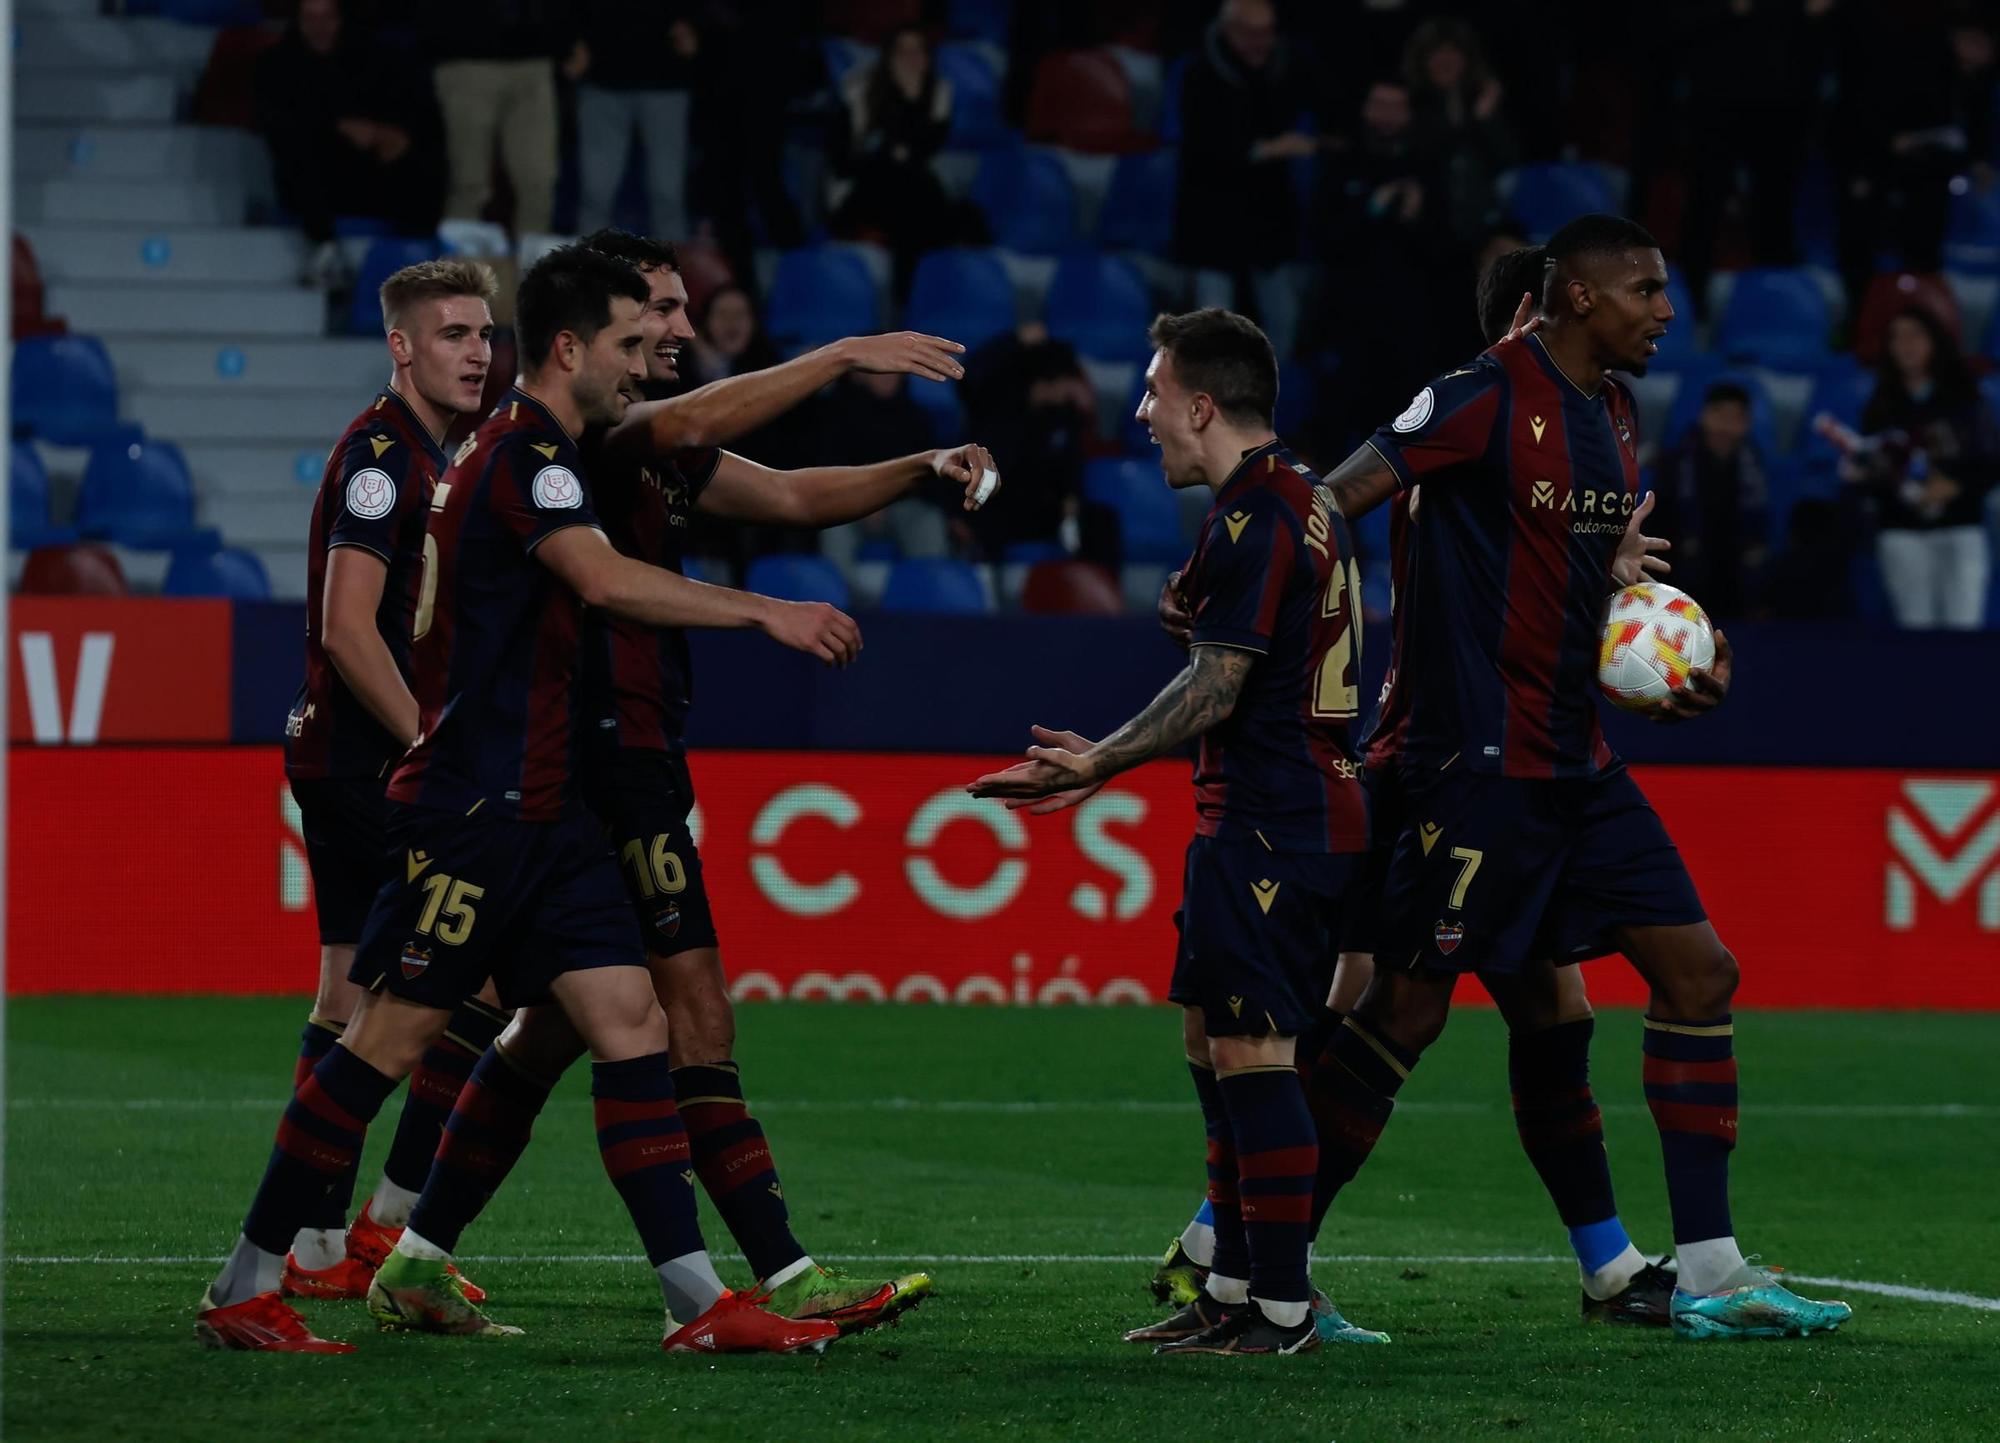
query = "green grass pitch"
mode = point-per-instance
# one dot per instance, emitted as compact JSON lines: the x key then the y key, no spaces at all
{"x":1022,"y":1156}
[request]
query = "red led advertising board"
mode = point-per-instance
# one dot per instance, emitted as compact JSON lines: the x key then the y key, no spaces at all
{"x":873,"y":877}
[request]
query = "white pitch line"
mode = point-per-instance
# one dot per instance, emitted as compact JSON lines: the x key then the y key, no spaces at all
{"x":1941,"y":1296}
{"x":1936,"y":1110}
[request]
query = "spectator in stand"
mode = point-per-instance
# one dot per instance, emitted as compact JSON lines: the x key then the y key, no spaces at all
{"x":1030,"y":395}
{"x":1975,"y":89}
{"x":1236,"y":219}
{"x":1456,"y":101}
{"x":1936,"y":454}
{"x":1715,"y":505}
{"x":634,"y":65}
{"x":496,"y":85}
{"x":894,"y":117}
{"x":1380,"y":246}
{"x":352,"y":131}
{"x":863,"y":418}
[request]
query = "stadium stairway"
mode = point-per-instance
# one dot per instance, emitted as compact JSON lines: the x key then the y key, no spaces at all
{"x":142,"y":223}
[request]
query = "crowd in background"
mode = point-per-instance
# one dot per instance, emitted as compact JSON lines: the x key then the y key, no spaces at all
{"x":1340,"y":169}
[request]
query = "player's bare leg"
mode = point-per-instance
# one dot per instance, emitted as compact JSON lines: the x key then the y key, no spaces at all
{"x":1549,"y":1027}
{"x":317,"y":1142}
{"x":733,"y":1158}
{"x":1690,"y":1077}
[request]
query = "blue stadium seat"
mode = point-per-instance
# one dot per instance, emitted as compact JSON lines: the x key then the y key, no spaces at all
{"x":1695,"y":381}
{"x":1100,"y":305}
{"x":1149,"y":519}
{"x":385,"y":257}
{"x":1972,"y":234}
{"x":200,"y":12}
{"x":935,"y":585}
{"x":1547,"y":197}
{"x":988,"y":20}
{"x":963,"y":295}
{"x":1138,"y":209}
{"x":798,"y":578}
{"x":943,"y":406}
{"x":137,"y":492}
{"x":820,"y":294}
{"x":28,"y":502}
{"x":1841,"y":389}
{"x":64,"y":389}
{"x":976,"y":121}
{"x":1777,"y":317}
{"x":228,"y":572}
{"x":1032,"y":553}
{"x":843,"y":54}
{"x":1025,"y":193}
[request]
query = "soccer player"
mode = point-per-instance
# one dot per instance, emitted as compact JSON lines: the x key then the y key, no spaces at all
{"x":355,"y":716}
{"x":1523,"y":833}
{"x":1548,"y":1068}
{"x":1271,"y":685}
{"x":501,"y":872}
{"x":647,"y":481}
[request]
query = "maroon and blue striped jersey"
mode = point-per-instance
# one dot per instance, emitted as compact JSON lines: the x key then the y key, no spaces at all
{"x":640,"y":679}
{"x":1274,"y":573}
{"x":497,"y":635}
{"x":373,"y":495}
{"x":1528,"y":485}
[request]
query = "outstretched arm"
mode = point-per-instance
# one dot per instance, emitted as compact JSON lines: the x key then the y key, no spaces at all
{"x":1203,"y":695}
{"x":718,"y":413}
{"x":822,"y":496}
{"x":1362,"y":482}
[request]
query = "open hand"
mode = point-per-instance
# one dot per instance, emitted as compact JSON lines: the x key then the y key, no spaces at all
{"x":908,"y":353}
{"x":965,"y":465}
{"x":1061,"y":801}
{"x":1705,"y":689}
{"x":1637,"y":556}
{"x":1048,"y":772}
{"x":814,"y":628}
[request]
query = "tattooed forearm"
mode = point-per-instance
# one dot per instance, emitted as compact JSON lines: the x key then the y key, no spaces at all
{"x":1201,"y":696}
{"x":1361,"y":483}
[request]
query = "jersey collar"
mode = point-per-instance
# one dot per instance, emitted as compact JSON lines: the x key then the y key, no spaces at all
{"x":1562,"y":375}
{"x":515,"y":393}
{"x":1248,"y":465}
{"x":415,"y":422}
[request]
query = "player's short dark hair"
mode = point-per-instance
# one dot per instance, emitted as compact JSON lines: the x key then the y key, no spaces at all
{"x":1599,"y":234}
{"x":570,"y":289}
{"x":432,"y":281}
{"x":641,"y":252}
{"x":1517,"y":272}
{"x":1224,"y":356}
{"x":1734,"y":392}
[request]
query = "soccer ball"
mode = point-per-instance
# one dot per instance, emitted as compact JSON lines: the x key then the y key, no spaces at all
{"x":1654,"y":636}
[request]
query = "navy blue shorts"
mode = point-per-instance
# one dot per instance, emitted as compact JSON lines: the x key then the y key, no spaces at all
{"x":1361,"y":929}
{"x":342,"y":820}
{"x":644,"y":798}
{"x":1260,"y":934}
{"x":1490,"y":873}
{"x":471,"y":898}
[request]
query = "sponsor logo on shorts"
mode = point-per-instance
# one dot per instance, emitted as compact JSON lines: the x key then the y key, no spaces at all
{"x":415,"y":960}
{"x":1428,"y":834}
{"x":1267,"y":893}
{"x":1448,"y":935}
{"x":1236,"y":1007}
{"x":667,"y":921}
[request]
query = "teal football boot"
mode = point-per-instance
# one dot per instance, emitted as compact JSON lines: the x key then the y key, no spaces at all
{"x":1751,"y":1303}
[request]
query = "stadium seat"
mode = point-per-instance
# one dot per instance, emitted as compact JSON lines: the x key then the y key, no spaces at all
{"x":798,"y":578}
{"x":1072,"y":588}
{"x":820,"y":294}
{"x":1546,"y":197}
{"x":1680,"y":343}
{"x":1026,"y":196}
{"x":1082,"y":100}
{"x":963,"y":295}
{"x":1170,"y":101}
{"x":1695,"y":381}
{"x":30,"y":519}
{"x":1031,"y":553}
{"x":226,"y":94}
{"x":72,"y":571}
{"x":1893,"y":292}
{"x":1100,"y":305}
{"x":936,"y":585}
{"x":1149,"y":519}
{"x":200,"y":12}
{"x":988,"y":20}
{"x":1972,"y":232}
{"x":976,"y":121}
{"x":227,"y":572}
{"x":1138,"y":209}
{"x":138,"y":492}
{"x":385,"y":256}
{"x":64,"y":389}
{"x":1776,"y":317}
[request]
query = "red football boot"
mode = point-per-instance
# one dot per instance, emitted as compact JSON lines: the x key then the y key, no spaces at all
{"x":739,"y":1323}
{"x":262,"y":1324}
{"x":371,"y":1242}
{"x":348,"y":1278}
